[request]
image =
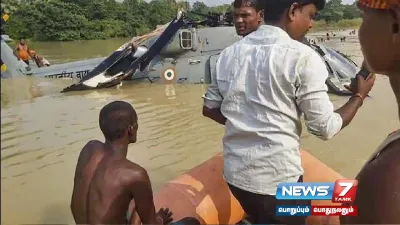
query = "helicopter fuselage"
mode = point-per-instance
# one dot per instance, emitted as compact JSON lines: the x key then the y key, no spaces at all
{"x":189,"y":57}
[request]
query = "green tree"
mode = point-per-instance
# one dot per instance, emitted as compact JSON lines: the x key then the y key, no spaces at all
{"x":161,"y":11}
{"x":351,"y":11}
{"x":333,"y":11}
{"x":222,"y":8}
{"x":23,"y":21}
{"x":63,"y":20}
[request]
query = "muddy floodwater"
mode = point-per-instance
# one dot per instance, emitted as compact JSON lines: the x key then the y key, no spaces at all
{"x":42,"y":132}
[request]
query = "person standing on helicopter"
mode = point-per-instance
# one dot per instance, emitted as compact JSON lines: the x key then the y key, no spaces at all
{"x":22,"y":51}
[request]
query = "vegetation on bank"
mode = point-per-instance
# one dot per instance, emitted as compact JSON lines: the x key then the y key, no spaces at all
{"x":67,"y":20}
{"x":341,"y":24}
{"x":338,"y":16}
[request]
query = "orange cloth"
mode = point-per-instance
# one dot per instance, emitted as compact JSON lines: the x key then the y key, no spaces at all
{"x":379,"y":4}
{"x":23,"y":52}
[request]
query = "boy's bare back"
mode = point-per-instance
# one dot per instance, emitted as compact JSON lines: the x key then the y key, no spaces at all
{"x":103,"y":187}
{"x":88,"y":159}
{"x":106,"y":182}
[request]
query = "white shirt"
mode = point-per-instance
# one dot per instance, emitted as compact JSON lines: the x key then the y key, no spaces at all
{"x":263,"y":84}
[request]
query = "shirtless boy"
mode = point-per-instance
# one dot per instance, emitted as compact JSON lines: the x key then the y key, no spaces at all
{"x":106,"y":182}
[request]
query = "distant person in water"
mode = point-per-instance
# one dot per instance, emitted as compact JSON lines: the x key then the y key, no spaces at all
{"x":108,"y":188}
{"x":248,"y":16}
{"x":378,"y":194}
{"x":22,"y":51}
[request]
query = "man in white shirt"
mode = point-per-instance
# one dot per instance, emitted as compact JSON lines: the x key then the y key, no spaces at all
{"x":261,"y":87}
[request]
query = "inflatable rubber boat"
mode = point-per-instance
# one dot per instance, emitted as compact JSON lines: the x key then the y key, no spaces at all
{"x":203,"y":194}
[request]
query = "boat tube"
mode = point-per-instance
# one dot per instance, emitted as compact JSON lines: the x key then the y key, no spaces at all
{"x":202,"y":193}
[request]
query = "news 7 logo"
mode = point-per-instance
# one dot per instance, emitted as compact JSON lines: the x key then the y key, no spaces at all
{"x":345,"y":191}
{"x":341,"y":191}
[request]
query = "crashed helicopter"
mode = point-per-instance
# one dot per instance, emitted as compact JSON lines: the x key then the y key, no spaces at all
{"x":185,"y":51}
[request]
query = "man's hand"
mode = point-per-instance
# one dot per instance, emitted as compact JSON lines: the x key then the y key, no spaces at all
{"x":214,"y":114}
{"x":164,"y":215}
{"x":361,"y":85}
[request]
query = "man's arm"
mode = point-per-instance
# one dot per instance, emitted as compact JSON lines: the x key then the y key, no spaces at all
{"x":314,"y":102}
{"x":356,"y":84}
{"x":16,"y":52}
{"x":378,"y":196}
{"x":214,"y":114}
{"x":349,"y":110}
{"x":213,"y":100}
{"x":134,"y":218}
{"x":142,"y":194}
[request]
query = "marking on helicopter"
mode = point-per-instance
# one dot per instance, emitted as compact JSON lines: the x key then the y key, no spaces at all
{"x":65,"y":74}
{"x":6,"y":17}
{"x":3,"y":67}
{"x":169,"y":75}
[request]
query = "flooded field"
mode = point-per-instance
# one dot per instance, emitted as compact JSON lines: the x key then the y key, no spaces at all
{"x":42,"y":132}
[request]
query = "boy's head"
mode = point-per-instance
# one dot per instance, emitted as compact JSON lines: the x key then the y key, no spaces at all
{"x":118,"y":121}
{"x":248,"y":15}
{"x":379,"y":35}
{"x":295,"y":16}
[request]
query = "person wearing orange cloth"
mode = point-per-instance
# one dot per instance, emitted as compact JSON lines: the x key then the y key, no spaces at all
{"x":22,"y":51}
{"x":378,"y":194}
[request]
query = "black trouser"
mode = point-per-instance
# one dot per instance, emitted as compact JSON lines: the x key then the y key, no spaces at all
{"x":261,"y":208}
{"x":26,"y":61}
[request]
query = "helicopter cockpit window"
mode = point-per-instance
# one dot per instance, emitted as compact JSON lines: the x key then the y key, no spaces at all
{"x":186,"y":39}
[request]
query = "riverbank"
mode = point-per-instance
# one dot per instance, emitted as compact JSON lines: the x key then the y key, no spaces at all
{"x":318,"y":26}
{"x":340,"y":25}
